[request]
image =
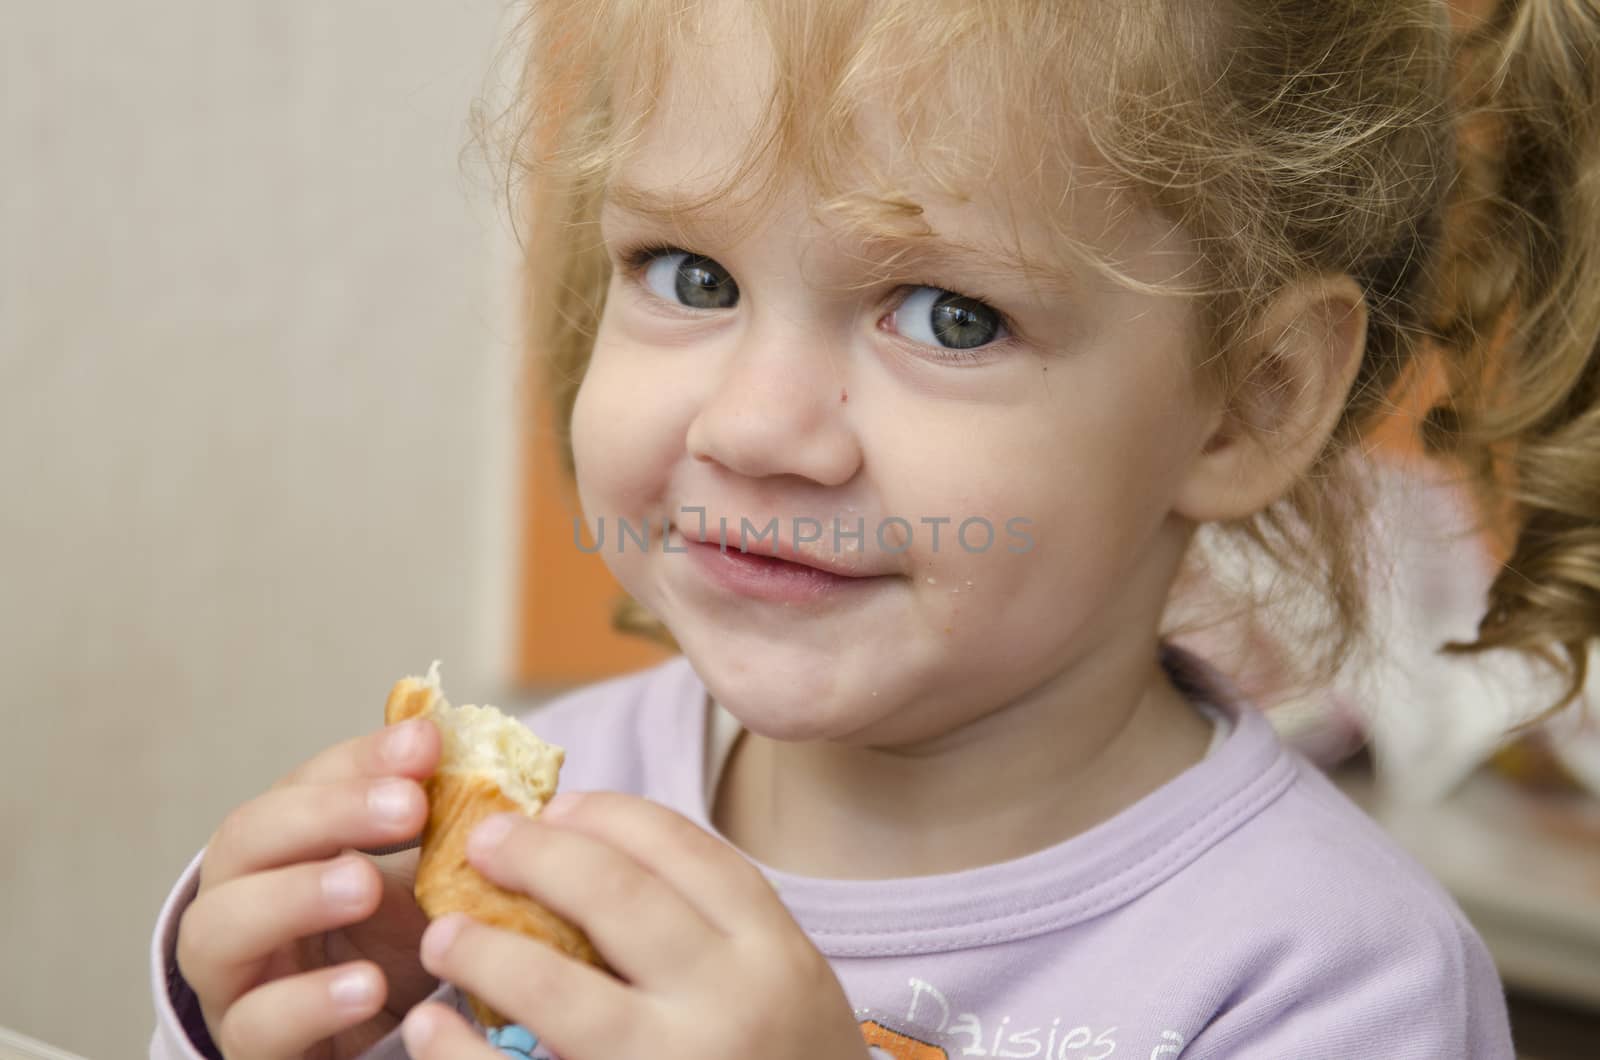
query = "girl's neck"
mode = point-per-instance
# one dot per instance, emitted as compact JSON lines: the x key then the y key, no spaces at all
{"x":1036,"y":775}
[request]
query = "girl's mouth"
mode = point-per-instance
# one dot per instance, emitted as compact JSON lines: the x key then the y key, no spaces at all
{"x":768,"y":578}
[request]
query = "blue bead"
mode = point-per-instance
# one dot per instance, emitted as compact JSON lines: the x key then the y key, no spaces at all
{"x":513,"y":1036}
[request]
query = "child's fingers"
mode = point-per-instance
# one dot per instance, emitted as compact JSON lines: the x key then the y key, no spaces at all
{"x":285,"y":826}
{"x":286,"y":1017}
{"x":408,"y":748}
{"x":228,"y":931}
{"x":644,"y":927}
{"x":433,"y":1032}
{"x":721,"y":882}
{"x":577,"y":1009}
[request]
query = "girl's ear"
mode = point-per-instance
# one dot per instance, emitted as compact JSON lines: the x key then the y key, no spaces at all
{"x":1306,"y":349}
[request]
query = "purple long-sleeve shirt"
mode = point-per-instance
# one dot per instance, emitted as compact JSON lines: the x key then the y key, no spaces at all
{"x":1244,"y":910}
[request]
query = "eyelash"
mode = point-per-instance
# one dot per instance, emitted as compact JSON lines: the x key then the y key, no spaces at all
{"x":634,"y":260}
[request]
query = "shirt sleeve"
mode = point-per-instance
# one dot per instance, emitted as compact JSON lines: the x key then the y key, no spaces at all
{"x":180,"y":1031}
{"x":1430,"y":993}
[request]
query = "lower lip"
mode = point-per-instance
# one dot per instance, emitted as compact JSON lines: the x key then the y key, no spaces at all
{"x":765,"y":578}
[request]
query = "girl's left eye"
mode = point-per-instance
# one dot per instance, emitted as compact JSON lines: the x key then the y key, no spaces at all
{"x":947,"y":320}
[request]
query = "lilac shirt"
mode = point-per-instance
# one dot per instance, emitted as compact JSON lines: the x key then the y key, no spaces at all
{"x":1245,"y":910}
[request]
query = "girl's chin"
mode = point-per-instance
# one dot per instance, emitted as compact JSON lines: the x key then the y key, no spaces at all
{"x":770,"y":706}
{"x":780,"y":728}
{"x":745,"y":658}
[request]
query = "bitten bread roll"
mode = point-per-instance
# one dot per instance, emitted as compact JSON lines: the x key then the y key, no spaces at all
{"x":489,"y":764}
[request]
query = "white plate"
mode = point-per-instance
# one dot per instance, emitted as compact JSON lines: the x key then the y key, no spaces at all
{"x":15,"y":1046}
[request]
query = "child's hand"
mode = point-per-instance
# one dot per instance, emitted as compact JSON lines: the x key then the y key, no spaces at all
{"x":711,"y":962}
{"x":289,"y":943}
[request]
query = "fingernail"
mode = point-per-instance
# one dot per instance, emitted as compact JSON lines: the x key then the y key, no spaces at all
{"x":440,"y":934}
{"x":403,"y":742}
{"x":489,"y":834}
{"x":346,"y":884}
{"x":561,"y":804}
{"x":418,"y":1029}
{"x":393,"y":800}
{"x":355,"y":989}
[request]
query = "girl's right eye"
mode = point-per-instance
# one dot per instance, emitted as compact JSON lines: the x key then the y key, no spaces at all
{"x":691,"y":280}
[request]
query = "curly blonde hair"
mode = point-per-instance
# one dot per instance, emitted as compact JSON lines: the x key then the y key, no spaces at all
{"x":1453,"y":175}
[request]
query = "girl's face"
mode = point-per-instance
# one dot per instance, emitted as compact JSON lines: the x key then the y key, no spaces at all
{"x":775,"y":366}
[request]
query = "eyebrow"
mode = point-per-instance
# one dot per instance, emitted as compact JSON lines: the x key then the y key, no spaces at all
{"x":665,"y":208}
{"x":935,"y":252}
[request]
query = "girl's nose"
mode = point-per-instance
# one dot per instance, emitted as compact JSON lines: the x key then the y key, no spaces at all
{"x":776,"y":408}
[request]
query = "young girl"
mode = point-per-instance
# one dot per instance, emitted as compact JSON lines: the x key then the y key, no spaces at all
{"x":904,"y":346}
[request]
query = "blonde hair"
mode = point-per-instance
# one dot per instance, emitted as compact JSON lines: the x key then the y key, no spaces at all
{"x":1454,"y":176}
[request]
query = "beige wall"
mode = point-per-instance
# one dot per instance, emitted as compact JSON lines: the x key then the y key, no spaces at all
{"x":254,"y":437}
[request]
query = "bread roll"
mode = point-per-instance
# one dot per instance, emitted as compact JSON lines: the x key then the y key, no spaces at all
{"x":490,"y":764}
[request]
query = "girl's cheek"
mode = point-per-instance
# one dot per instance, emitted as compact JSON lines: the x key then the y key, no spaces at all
{"x":604,"y":412}
{"x":604,"y":450}
{"x":585,"y":446}
{"x":627,"y":436}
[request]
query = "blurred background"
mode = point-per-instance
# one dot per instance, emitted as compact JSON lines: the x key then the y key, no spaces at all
{"x":266,"y":445}
{"x":256,"y":441}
